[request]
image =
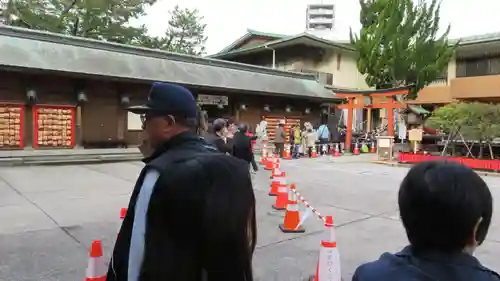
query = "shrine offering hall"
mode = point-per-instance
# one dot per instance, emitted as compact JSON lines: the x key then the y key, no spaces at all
{"x":64,"y":92}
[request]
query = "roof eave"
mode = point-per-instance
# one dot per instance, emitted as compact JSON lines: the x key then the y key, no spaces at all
{"x":274,"y":43}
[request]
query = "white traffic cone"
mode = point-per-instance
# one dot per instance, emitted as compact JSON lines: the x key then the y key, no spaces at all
{"x":329,"y":258}
{"x":96,"y":268}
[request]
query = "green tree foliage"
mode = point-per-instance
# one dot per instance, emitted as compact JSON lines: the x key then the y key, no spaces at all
{"x":109,"y":20}
{"x":98,"y":19}
{"x":474,"y":121}
{"x":449,"y":119}
{"x":185,"y":33}
{"x":398,"y":43}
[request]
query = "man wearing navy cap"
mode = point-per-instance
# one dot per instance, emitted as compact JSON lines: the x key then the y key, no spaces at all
{"x":162,"y":235}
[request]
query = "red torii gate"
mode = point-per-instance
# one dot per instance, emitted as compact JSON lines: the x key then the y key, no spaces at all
{"x":361,"y":99}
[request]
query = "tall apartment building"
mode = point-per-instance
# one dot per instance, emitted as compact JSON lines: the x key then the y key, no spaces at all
{"x":320,"y":19}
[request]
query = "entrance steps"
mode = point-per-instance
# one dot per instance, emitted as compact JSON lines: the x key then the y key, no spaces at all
{"x":68,"y":157}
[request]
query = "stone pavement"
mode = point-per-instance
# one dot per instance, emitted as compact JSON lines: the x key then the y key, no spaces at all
{"x":49,"y":215}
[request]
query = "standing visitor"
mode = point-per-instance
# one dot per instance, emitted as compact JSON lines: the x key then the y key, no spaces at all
{"x":323,"y":137}
{"x":446,"y":210}
{"x":242,"y":145}
{"x":218,"y":136}
{"x":191,"y":215}
{"x":232,"y":128}
{"x":253,"y":141}
{"x":310,"y":139}
{"x":279,"y":138}
{"x":297,"y":140}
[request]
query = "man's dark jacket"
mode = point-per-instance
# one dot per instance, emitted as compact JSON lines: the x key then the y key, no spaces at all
{"x":405,"y":265}
{"x":242,"y":146}
{"x":219,"y":143}
{"x":177,"y":224}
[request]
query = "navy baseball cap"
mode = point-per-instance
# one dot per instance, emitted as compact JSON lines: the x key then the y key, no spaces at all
{"x":168,"y":99}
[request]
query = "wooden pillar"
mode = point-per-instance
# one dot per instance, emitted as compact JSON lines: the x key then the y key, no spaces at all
{"x":78,"y":125}
{"x":348,"y":136}
{"x":122,"y":123}
{"x":368,"y":119}
{"x":390,"y":117}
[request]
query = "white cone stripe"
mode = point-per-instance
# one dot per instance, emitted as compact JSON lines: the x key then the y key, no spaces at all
{"x":330,"y":235}
{"x":329,"y":265}
{"x":96,"y":268}
{"x":292,"y":207}
{"x":282,"y":189}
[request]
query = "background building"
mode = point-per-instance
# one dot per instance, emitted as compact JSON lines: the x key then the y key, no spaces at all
{"x":320,"y":20}
{"x":333,"y":64}
{"x":473,"y":74}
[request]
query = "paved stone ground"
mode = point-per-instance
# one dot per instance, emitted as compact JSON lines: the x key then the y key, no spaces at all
{"x":49,"y":215}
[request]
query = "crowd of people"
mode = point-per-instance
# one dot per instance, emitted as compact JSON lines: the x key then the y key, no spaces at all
{"x":303,"y":140}
{"x":191,"y":215}
{"x":232,"y":139}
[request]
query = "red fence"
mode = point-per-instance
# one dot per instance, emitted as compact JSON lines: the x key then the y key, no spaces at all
{"x":482,"y":164}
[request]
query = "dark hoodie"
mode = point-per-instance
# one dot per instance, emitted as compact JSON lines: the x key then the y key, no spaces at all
{"x":406,"y":266}
{"x":242,"y":146}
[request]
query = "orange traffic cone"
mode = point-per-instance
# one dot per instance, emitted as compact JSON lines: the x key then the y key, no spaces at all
{"x":276,"y":181}
{"x":276,"y":168}
{"x":96,"y":269}
{"x":356,"y":149}
{"x":287,"y":153}
{"x":329,"y":259}
{"x":263,"y":158}
{"x":292,"y":215}
{"x":269,"y":164}
{"x":282,"y":196}
{"x":314,"y":153}
{"x":336,"y":153}
{"x":372,"y":148}
{"x":123,"y":213}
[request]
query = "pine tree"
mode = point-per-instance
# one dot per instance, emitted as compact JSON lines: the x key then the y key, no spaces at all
{"x":185,"y":33}
{"x":398,"y":43}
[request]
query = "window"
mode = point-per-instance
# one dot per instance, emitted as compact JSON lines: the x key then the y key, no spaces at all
{"x":339,"y":59}
{"x":478,"y":67}
{"x":495,"y":66}
{"x":134,"y":122}
{"x":321,"y":77}
{"x":329,"y":79}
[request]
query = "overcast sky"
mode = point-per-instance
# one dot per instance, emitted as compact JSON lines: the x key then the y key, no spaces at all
{"x":227,"y":20}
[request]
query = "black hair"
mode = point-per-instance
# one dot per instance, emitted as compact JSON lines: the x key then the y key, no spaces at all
{"x":243,"y":128}
{"x":196,"y":124}
{"x":440,"y":203}
{"x":212,"y":221}
{"x":229,"y":222}
{"x":217,"y":127}
{"x":231,"y":121}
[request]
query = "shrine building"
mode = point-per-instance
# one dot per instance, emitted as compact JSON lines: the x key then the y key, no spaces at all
{"x":66,"y":92}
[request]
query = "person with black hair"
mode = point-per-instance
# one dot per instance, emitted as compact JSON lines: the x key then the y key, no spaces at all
{"x":446,"y":210}
{"x":218,"y":136}
{"x":242,"y":146}
{"x":191,"y":215}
